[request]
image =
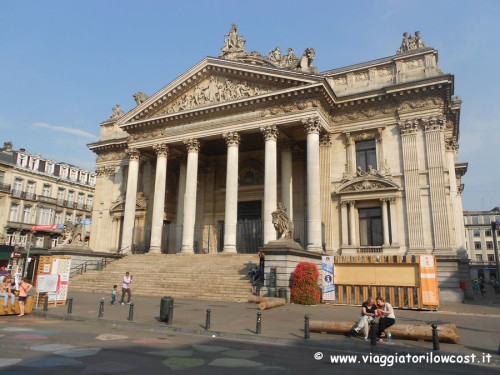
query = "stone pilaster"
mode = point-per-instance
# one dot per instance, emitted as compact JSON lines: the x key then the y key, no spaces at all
{"x":385,"y":221}
{"x":345,"y":223}
{"x":325,"y":154}
{"x":352,"y":224}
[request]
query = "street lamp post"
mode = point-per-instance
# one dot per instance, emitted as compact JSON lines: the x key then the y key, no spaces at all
{"x":494,"y":228}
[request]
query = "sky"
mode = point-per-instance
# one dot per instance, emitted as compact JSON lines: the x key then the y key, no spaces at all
{"x":65,"y":64}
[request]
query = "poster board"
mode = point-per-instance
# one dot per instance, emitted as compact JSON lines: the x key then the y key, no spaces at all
{"x":53,"y":267}
{"x":327,"y":276}
{"x":428,"y":280}
{"x":47,"y":283}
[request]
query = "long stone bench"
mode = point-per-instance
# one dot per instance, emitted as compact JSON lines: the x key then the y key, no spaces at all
{"x":14,"y":310}
{"x":446,"y":332}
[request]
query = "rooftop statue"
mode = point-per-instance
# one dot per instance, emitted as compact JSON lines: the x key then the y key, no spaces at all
{"x":140,"y":97}
{"x":410,"y":42}
{"x":233,"y":42}
{"x":117,"y":112}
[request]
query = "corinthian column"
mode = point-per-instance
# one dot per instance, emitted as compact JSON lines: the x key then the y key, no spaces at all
{"x":270,"y":181}
{"x":286,"y":177}
{"x":193,"y":147}
{"x":130,"y":199}
{"x":231,"y":215}
{"x":161,"y":150}
{"x":312,"y":127}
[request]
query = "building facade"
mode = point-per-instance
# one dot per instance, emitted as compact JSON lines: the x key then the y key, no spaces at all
{"x":480,"y":242}
{"x":364,"y":158}
{"x":37,"y":196}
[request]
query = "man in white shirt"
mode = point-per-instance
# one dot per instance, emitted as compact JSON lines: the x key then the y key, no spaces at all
{"x":127,"y":280}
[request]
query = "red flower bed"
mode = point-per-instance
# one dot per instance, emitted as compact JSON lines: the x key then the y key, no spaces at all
{"x":305,"y":290}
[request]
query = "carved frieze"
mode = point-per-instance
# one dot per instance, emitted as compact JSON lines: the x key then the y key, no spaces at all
{"x":414,"y":64}
{"x":288,"y":108}
{"x":421,"y":103}
{"x":146,"y":135}
{"x":109,"y":156}
{"x":363,"y":115}
{"x":108,"y":170}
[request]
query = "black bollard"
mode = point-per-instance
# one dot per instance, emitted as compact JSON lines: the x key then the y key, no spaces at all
{"x":435,"y":337}
{"x":46,"y":303}
{"x":101,"y":308}
{"x":307,"y":334}
{"x":131,"y":312}
{"x":69,"y":301}
{"x":170,"y":314}
{"x":258,"y":329}
{"x":373,"y":335}
{"x":207,"y":323}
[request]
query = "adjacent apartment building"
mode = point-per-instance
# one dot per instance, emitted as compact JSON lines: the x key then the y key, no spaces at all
{"x":38,"y":195}
{"x":480,"y":246}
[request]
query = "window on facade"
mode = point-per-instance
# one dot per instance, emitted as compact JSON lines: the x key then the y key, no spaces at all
{"x":487,"y":232}
{"x":14,"y":212}
{"x":370,"y":226}
{"x":90,"y":201}
{"x":18,"y":187}
{"x":491,"y":258}
{"x":58,"y":218}
{"x":71,"y":197}
{"x":46,"y":190}
{"x":477,"y":245}
{"x":83,"y":177}
{"x":2,"y":177}
{"x":27,"y":215}
{"x":477,"y":233}
{"x":489,"y":245}
{"x":366,"y":155}
{"x":60,"y":195}
{"x":479,"y":257}
{"x":92,"y":180}
{"x":45,"y":217}
{"x":475,"y":220}
{"x":22,"y":160}
{"x":68,"y":216}
{"x":72,"y":175}
{"x":30,"y":190}
{"x":49,"y":168}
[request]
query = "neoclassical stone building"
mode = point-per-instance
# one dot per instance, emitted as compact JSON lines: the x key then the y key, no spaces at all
{"x":364,"y":158}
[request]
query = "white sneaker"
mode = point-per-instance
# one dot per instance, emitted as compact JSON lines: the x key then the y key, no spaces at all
{"x":356,"y":330}
{"x":123,"y":303}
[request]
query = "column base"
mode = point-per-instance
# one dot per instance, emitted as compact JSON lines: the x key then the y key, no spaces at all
{"x":315,"y":249}
{"x":187,"y":250}
{"x":229,"y":249}
{"x":154,"y":250}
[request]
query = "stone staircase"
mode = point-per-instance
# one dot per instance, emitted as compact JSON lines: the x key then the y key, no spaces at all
{"x":217,"y":277}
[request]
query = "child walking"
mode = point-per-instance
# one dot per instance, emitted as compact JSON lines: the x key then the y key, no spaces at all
{"x":113,"y":294}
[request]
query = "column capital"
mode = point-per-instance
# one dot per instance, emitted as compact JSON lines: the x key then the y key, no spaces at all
{"x":192,"y":145}
{"x":133,"y":153}
{"x":451,"y":144}
{"x":385,"y":199}
{"x":351,"y":203}
{"x":325,"y":139}
{"x":161,"y":149}
{"x":312,"y":125}
{"x":270,"y":132}
{"x":434,"y":123}
{"x":232,"y":139}
{"x":408,"y":126}
{"x":344,"y":203}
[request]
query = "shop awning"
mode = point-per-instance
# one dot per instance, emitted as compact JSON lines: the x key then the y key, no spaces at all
{"x":4,"y":255}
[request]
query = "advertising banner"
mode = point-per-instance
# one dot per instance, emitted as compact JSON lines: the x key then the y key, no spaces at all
{"x":327,"y":276}
{"x":428,"y":280}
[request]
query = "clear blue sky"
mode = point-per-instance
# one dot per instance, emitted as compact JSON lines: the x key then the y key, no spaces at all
{"x":65,"y":64}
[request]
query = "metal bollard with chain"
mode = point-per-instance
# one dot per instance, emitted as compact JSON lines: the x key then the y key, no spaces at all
{"x":207,"y":322}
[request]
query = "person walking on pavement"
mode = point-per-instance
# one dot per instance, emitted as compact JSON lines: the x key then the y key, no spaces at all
{"x":127,"y":280}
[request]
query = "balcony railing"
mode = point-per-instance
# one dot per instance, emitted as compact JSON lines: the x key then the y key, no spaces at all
{"x":45,"y":199}
{"x":370,"y":250}
{"x":4,"y":187}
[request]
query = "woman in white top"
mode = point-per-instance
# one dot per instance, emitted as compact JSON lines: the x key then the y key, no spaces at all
{"x":387,"y":317}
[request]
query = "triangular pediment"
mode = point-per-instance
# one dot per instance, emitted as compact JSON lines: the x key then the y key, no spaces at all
{"x":214,"y":82}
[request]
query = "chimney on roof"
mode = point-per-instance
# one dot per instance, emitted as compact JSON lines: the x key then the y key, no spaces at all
{"x":7,"y":146}
{"x":22,"y":150}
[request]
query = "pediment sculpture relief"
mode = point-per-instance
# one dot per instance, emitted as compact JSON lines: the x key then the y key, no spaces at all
{"x":214,"y":90}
